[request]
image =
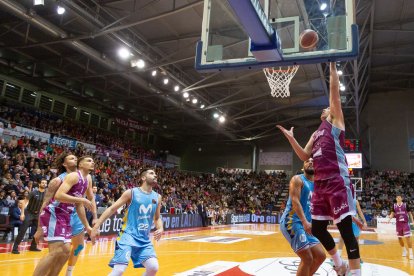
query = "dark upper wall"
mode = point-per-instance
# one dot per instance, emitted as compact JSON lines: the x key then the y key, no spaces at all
{"x":389,"y":118}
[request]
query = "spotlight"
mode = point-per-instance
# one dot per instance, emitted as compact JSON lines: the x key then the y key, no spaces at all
{"x":138,"y":63}
{"x":216,"y":115}
{"x":60,"y":10}
{"x":186,"y":95}
{"x":154,"y":73}
{"x":222,"y":119}
{"x":194,"y":101}
{"x":176,"y":88}
{"x":342,"y":88}
{"x":340,"y":72}
{"x":38,"y":2}
{"x":202,"y":106}
{"x":323,"y":6}
{"x":124,"y":53}
{"x":165,"y":81}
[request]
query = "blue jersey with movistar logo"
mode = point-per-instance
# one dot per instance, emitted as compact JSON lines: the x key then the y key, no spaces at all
{"x":305,"y":196}
{"x":138,"y":218}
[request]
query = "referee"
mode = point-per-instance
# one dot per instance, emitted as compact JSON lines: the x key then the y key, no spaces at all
{"x":31,"y":216}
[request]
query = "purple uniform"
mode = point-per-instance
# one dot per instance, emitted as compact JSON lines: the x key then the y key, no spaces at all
{"x":401,"y":217}
{"x":55,"y":218}
{"x":333,"y":193}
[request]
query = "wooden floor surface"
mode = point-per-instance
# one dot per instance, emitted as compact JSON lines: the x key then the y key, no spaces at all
{"x":241,"y":243}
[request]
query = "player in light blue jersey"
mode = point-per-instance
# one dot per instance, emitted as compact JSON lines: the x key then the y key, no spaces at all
{"x":133,"y":240}
{"x":295,"y":222}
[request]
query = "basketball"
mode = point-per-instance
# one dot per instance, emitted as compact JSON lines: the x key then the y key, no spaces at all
{"x":308,"y":39}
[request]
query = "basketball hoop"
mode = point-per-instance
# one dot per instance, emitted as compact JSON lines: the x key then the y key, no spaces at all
{"x":279,"y":80}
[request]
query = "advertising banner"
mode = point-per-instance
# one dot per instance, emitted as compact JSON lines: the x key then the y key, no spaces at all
{"x":61,"y":141}
{"x":251,"y":218}
{"x":19,"y":131}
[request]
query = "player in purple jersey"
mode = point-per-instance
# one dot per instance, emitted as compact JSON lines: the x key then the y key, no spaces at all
{"x":66,"y":163}
{"x":333,"y":196}
{"x":55,"y":218}
{"x":400,"y":211}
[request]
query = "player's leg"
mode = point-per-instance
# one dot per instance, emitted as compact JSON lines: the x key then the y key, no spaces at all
{"x":145,"y":257}
{"x":306,"y":261}
{"x":52,"y":263}
{"x":76,"y":248}
{"x":77,"y":242}
{"x":409,"y":246}
{"x":319,"y":257}
{"x":151,"y":267}
{"x":351,"y":244}
{"x":404,"y":250}
{"x":340,"y":246}
{"x":119,"y":262}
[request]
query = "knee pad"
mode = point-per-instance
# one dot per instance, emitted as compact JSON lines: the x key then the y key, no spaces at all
{"x":118,"y":270}
{"x":151,"y":266}
{"x":347,"y":234}
{"x":320,"y":231}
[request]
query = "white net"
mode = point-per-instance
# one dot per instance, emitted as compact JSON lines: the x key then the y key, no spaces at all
{"x":279,"y":80}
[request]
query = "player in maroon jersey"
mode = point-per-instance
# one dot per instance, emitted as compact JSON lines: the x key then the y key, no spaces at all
{"x":400,"y":211}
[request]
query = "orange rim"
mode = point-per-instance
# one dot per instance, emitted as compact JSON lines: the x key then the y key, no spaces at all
{"x":273,"y":70}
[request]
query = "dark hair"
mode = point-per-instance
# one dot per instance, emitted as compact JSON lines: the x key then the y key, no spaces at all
{"x":82,"y":158}
{"x":144,"y":170}
{"x":58,"y":164}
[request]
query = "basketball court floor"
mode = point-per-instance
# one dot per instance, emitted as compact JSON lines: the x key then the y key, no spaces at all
{"x":237,"y":250}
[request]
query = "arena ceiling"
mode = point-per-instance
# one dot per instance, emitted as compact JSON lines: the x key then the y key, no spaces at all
{"x":75,"y":54}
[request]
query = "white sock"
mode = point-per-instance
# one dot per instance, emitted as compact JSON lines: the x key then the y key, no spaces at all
{"x":339,"y":252}
{"x":411,"y":251}
{"x":404,"y":250}
{"x":356,"y":272}
{"x":337,"y":259}
{"x":69,"y":270}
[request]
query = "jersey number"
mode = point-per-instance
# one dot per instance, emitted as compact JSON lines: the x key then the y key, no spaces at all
{"x":143,"y":226}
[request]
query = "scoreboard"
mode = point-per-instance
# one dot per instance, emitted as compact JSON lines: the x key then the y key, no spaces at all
{"x":352,"y":145}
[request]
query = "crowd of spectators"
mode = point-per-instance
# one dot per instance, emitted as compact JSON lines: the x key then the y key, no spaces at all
{"x":380,"y":189}
{"x":24,"y":162}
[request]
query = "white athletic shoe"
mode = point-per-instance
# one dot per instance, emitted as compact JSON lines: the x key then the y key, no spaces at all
{"x":411,"y":257}
{"x":342,"y":270}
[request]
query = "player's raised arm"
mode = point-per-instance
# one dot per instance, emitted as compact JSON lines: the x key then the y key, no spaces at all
{"x":335,"y":98}
{"x":303,"y":153}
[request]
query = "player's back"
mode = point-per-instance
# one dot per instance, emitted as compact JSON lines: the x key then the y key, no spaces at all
{"x":289,"y":215}
{"x":327,"y":152}
{"x":138,"y":218}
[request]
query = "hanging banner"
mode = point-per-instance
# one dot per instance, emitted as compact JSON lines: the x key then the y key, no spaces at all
{"x":132,"y":124}
{"x":19,"y":131}
{"x":61,"y":141}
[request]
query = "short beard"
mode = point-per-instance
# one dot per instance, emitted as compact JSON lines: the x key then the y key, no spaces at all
{"x":310,"y":171}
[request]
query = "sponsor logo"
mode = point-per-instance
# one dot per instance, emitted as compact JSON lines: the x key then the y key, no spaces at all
{"x":145,"y":210}
{"x":343,"y":206}
{"x":302,"y":238}
{"x":128,"y":255}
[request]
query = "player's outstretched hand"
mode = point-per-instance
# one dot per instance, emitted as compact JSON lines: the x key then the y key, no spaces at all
{"x":158,"y":234}
{"x":287,"y":133}
{"x":38,"y":236}
{"x":94,"y":232}
{"x":87,"y":204}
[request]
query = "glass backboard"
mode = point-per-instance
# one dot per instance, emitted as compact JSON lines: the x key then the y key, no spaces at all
{"x":225,"y":43}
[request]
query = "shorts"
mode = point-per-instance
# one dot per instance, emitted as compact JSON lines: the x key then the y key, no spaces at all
{"x":332,"y":199}
{"x":138,"y":255}
{"x":76,"y":224}
{"x":356,"y":230}
{"x":403,"y":229}
{"x":296,"y":235}
{"x":55,"y":227}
